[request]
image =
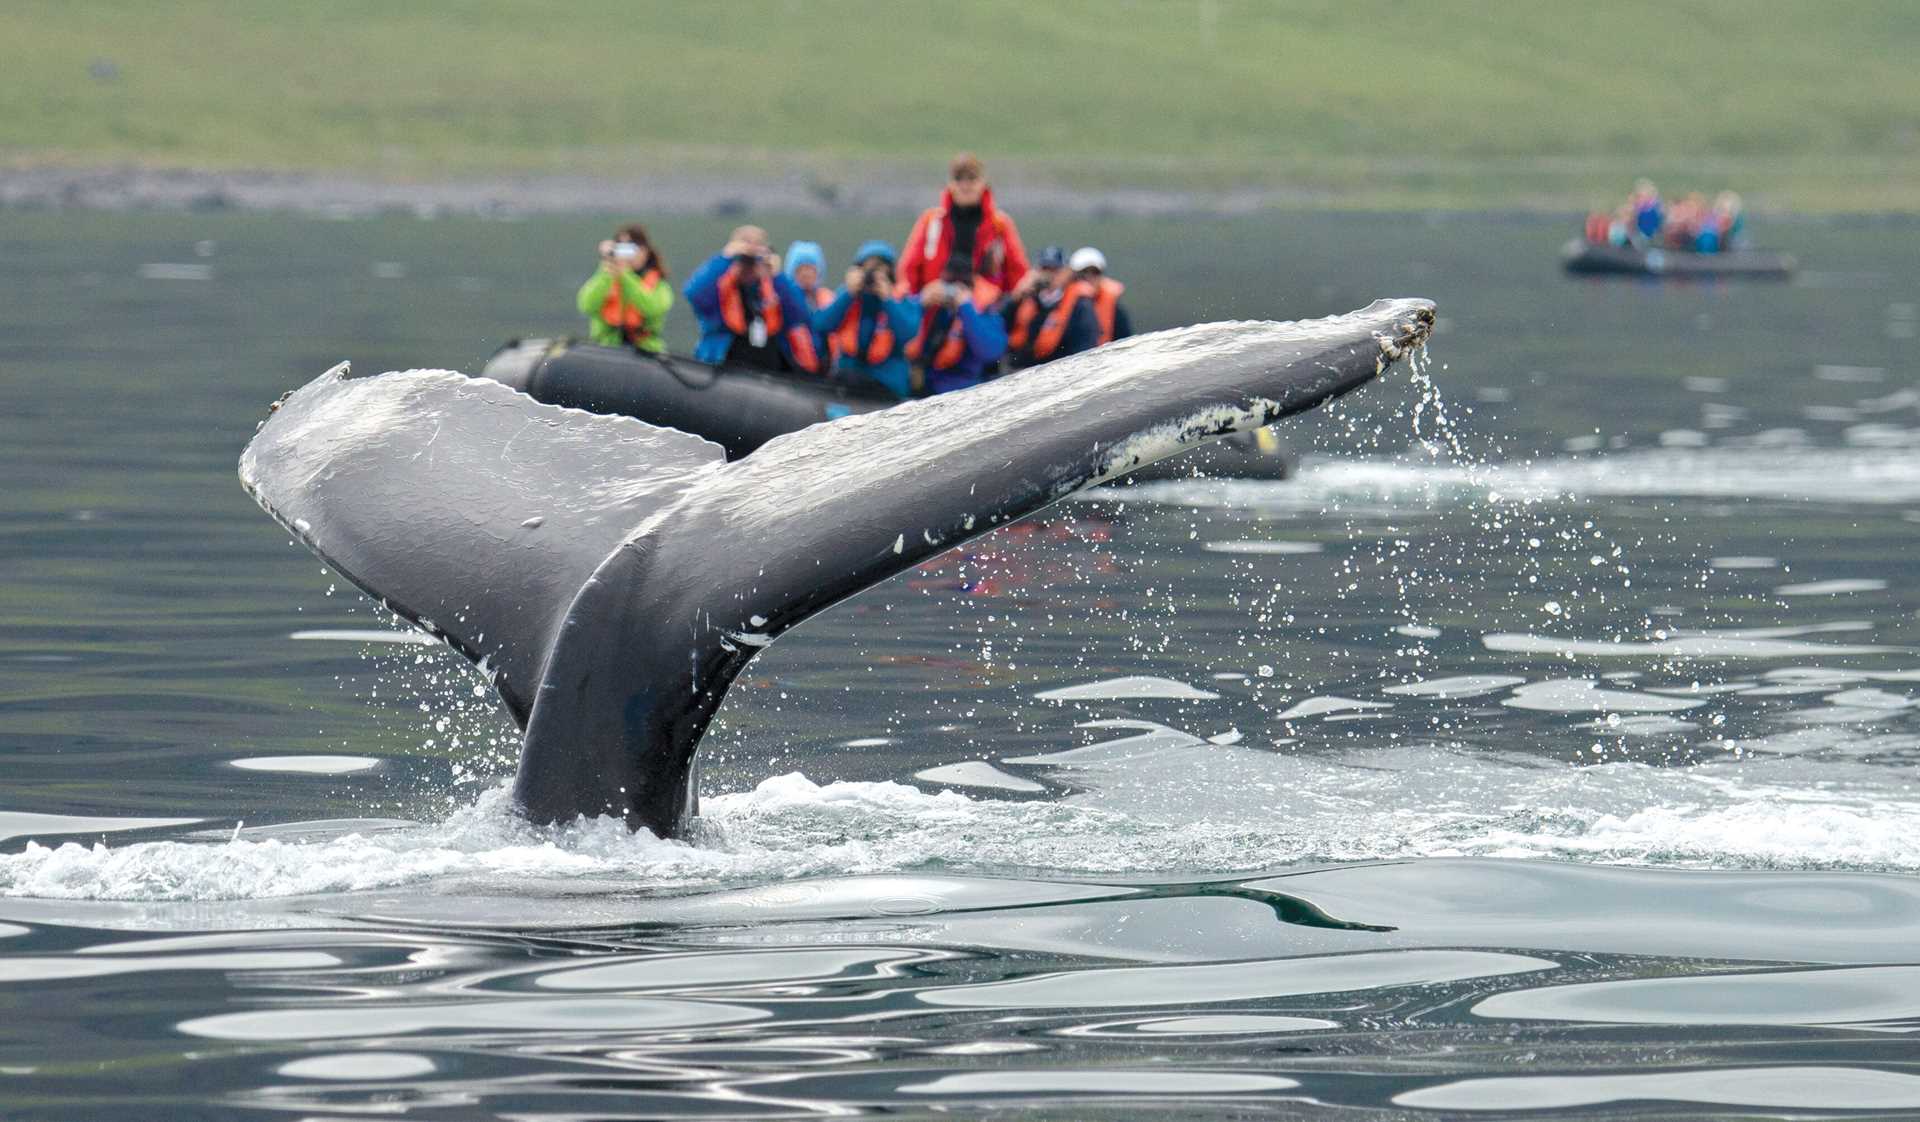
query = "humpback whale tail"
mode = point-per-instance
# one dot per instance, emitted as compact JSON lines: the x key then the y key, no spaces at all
{"x":612,"y":578}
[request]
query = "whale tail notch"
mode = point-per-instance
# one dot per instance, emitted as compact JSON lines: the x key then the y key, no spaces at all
{"x":613,"y":578}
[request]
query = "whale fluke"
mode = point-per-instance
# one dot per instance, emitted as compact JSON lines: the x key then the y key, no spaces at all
{"x":613,"y":578}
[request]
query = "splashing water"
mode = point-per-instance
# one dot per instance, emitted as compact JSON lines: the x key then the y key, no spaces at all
{"x":1380,"y":736}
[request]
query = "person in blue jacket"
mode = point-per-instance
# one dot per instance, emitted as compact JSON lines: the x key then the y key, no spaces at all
{"x":868,"y":326}
{"x":961,"y":335}
{"x":750,"y":313}
{"x":807,"y":268}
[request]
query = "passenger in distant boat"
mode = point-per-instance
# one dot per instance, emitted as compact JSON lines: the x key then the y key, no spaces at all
{"x":627,"y":298}
{"x":1722,"y":226}
{"x":1610,"y":229}
{"x":967,"y":225}
{"x":961,"y":337}
{"x":807,"y":268}
{"x":1090,"y":265}
{"x":1684,"y":221}
{"x":870,"y":326}
{"x":749,"y":311}
{"x":1649,"y":213}
{"x":1050,"y":314}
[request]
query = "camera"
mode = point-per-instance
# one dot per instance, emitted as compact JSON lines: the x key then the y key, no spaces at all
{"x":625,"y":251}
{"x":749,"y":259}
{"x":873,"y":279}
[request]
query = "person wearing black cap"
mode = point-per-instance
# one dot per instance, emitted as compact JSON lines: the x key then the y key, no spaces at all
{"x":1050,"y":314}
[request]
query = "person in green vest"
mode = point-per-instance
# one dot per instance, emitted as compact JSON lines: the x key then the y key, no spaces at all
{"x":627,"y":297}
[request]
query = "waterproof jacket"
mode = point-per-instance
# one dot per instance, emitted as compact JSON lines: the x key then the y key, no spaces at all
{"x":870,"y":337}
{"x":716,"y":337}
{"x":932,"y":240}
{"x":1051,"y":324}
{"x":819,"y":298}
{"x":1112,"y":315}
{"x":645,"y":298}
{"x":958,"y":347}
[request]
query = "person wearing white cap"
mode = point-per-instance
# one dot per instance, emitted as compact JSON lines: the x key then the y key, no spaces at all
{"x":1050,"y":314}
{"x":1090,"y":265}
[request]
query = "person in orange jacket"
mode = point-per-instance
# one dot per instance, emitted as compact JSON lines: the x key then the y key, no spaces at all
{"x":966,"y":222}
{"x":1090,"y":266}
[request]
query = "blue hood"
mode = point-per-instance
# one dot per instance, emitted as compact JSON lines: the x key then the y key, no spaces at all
{"x":874,"y":247}
{"x":806,"y":253}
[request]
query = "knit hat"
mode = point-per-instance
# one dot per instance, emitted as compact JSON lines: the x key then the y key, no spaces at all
{"x":805,"y":253}
{"x":874,"y":247}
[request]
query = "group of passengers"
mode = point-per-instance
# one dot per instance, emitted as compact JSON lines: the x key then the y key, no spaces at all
{"x":961,"y":304}
{"x":1645,"y":220}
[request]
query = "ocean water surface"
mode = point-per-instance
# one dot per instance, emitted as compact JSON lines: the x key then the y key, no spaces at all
{"x":1546,"y":748}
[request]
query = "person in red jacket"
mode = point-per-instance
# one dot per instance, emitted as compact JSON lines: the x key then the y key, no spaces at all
{"x":966,"y":222}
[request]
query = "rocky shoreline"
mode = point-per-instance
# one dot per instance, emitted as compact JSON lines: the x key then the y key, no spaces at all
{"x":346,"y":195}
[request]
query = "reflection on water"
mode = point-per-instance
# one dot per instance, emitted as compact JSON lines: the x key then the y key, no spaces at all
{"x":749,"y":1002}
{"x":1553,"y":760}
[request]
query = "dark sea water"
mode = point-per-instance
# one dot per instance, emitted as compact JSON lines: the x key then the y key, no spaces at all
{"x":1546,"y":748}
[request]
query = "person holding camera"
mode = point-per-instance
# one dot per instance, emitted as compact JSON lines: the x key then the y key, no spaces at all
{"x":749,"y":311}
{"x":1051,"y":314}
{"x":868,"y":324}
{"x":627,"y":298}
{"x":961,"y":334}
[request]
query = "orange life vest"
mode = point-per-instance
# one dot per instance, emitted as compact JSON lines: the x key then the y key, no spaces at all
{"x":799,"y":337}
{"x":1106,"y":297}
{"x":985,"y":292}
{"x":616,"y":312}
{"x":952,"y":346}
{"x":733,"y":307}
{"x":846,"y":337}
{"x":931,"y":243}
{"x":1052,"y":328}
{"x":822,"y":296}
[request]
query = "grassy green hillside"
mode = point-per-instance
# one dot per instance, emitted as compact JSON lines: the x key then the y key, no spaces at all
{"x":1805,"y":104}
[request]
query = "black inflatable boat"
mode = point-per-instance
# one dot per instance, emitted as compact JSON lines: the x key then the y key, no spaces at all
{"x":741,"y":408}
{"x":1582,"y":256}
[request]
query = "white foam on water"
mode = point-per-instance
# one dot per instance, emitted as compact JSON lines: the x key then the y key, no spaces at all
{"x":1580,"y":695}
{"x":1816,"y":1088}
{"x":1138,"y":686}
{"x":1830,"y":587}
{"x":1099,"y":1081}
{"x":1645,"y":725}
{"x":1743,"y":562}
{"x":1320,"y":706}
{"x":1266,"y":547}
{"x":1153,"y":800}
{"x":26,"y":824}
{"x":1865,"y":475}
{"x":307,"y":765}
{"x":365,"y":635}
{"x":1465,"y":685}
{"x":976,"y":773}
{"x":359,"y":1066}
{"x":1708,"y":645}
